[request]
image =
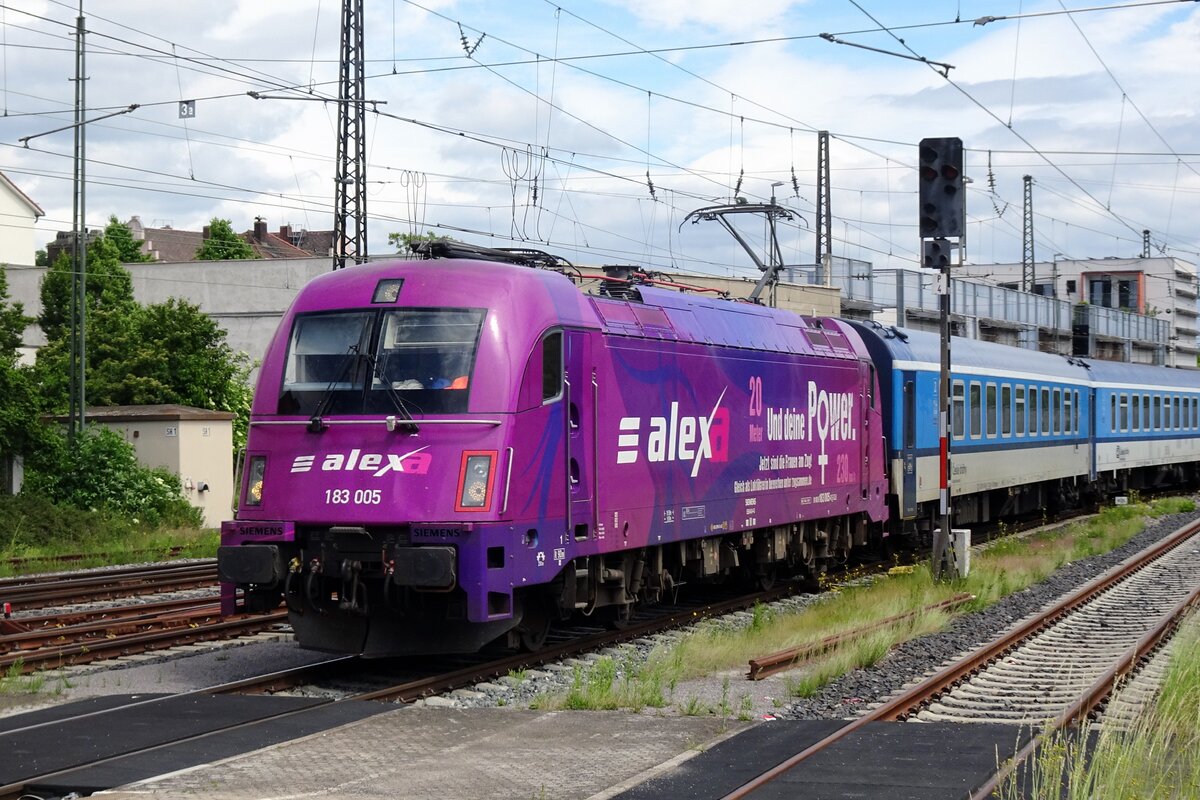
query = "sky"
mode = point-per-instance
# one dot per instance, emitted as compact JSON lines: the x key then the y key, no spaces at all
{"x":591,"y":128}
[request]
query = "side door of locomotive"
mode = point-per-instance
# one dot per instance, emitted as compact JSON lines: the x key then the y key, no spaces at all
{"x":580,"y":396}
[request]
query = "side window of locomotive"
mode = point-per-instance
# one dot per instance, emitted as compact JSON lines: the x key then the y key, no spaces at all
{"x":324,"y":362}
{"x":958,"y":410}
{"x":552,"y":367}
{"x":976,"y":403}
{"x":425,"y":359}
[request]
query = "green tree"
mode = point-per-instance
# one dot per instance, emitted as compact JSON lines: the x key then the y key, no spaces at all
{"x":137,"y":355}
{"x":102,"y":472}
{"x":408,"y":242}
{"x":170,"y":352}
{"x":109,"y":303}
{"x":21,"y":429}
{"x":129,"y":249}
{"x":223,"y":244}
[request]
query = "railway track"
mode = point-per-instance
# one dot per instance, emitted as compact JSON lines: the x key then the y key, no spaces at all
{"x":93,"y":629}
{"x":41,"y":591}
{"x":413,"y":687}
{"x":1052,"y":670}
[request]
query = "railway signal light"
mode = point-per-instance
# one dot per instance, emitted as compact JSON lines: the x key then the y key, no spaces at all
{"x":936,"y":253}
{"x":940,"y":192}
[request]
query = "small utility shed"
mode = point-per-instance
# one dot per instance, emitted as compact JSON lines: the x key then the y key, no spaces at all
{"x":194,"y":442}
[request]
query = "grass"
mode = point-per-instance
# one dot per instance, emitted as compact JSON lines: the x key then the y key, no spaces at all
{"x":1158,"y":755}
{"x":122,"y":545}
{"x":1009,"y":565}
{"x":13,"y":683}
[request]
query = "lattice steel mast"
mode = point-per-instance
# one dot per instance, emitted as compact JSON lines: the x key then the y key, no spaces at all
{"x":350,"y":178}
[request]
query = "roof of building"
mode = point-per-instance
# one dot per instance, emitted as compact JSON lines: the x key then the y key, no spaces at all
{"x":168,"y":412}
{"x":172,"y":245}
{"x":34,"y":207}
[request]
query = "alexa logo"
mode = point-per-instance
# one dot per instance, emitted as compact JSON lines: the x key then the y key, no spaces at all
{"x":676,"y":437}
{"x":415,"y":462}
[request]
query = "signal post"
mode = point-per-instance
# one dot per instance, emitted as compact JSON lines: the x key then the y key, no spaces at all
{"x":942,"y":220}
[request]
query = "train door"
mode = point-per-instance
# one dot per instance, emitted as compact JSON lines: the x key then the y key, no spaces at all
{"x":580,"y":396}
{"x":866,"y":377}
{"x":908,"y":448}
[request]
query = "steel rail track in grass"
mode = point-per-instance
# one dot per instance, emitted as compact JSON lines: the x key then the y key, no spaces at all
{"x":911,"y":701}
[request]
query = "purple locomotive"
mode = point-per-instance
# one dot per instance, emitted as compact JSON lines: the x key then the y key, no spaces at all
{"x":448,"y":453}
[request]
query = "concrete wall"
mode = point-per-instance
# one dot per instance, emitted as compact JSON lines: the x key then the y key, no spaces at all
{"x":248,"y":298}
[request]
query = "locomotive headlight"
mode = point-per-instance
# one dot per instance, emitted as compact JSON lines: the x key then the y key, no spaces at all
{"x":255,"y":471}
{"x":475,"y":481}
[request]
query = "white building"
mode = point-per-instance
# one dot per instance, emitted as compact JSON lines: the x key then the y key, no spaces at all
{"x":1162,"y":287}
{"x":18,"y":214}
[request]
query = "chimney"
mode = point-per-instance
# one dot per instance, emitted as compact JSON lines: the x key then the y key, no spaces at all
{"x":285,"y":232}
{"x":207,"y":232}
{"x":260,"y":229}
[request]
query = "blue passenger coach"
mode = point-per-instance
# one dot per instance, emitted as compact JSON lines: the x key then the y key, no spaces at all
{"x":1147,"y":425}
{"x":1021,"y":424}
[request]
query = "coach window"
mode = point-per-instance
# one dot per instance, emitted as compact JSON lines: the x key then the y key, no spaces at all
{"x":1145,"y":412}
{"x":1006,"y":410}
{"x":1033,"y":411}
{"x":1136,"y":409}
{"x":1046,"y":429}
{"x":1195,"y":421}
{"x":1075,"y":415}
{"x":1124,"y":412}
{"x":1166,"y":420}
{"x":957,"y":412}
{"x":1178,"y":418}
{"x":1068,"y":412}
{"x":1157,"y":413}
{"x":976,"y":403}
{"x":991,"y":409}
{"x":1058,"y":411}
{"x":1019,"y":410}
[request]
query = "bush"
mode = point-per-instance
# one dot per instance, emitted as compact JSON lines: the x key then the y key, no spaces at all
{"x":102,"y":473}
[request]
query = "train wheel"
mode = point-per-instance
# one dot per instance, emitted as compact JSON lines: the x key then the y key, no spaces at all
{"x":768,"y":576}
{"x":536,"y":619}
{"x":617,"y":617}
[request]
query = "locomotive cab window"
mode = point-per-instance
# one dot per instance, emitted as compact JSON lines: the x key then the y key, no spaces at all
{"x":552,"y":367}
{"x":414,"y":360}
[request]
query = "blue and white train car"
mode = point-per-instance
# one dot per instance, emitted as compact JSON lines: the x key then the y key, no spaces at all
{"x":1147,"y":430}
{"x":1020,"y":422}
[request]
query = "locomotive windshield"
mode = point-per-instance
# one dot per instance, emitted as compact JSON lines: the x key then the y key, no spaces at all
{"x":365,"y":362}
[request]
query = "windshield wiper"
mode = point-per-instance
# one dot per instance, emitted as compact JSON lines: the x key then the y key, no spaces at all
{"x":397,"y":402}
{"x":315,"y":423}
